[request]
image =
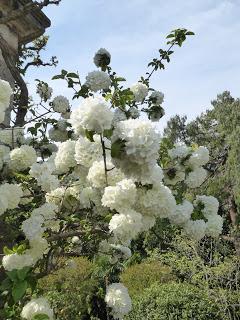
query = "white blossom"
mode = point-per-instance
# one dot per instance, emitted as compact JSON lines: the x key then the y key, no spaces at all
{"x":180,"y":150}
{"x":98,"y":80}
{"x":60,"y":104}
{"x":196,"y":177}
{"x":118,"y":299}
{"x":93,"y":114}
{"x":182,"y":213}
{"x":195,"y":229}
{"x":102,"y":58}
{"x":44,"y":91}
{"x":35,"y":307}
{"x":123,"y":195}
{"x":10,"y":194}
{"x":199,"y":157}
{"x":210,"y":203}
{"x":22,"y":158}
{"x":5,"y":95}
{"x":140,"y":91}
{"x":17,"y":261}
{"x":87,"y":152}
{"x":126,"y":225}
{"x":65,"y":156}
{"x":75,"y":240}
{"x":156,"y":97}
{"x":214,"y":226}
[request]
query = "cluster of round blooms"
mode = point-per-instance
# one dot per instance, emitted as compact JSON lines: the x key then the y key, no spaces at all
{"x":196,"y":229}
{"x":17,"y":261}
{"x":93,"y":115}
{"x":134,"y":112}
{"x":141,"y":141}
{"x":39,"y":306}
{"x":180,"y":151}
{"x":96,"y":174}
{"x":44,"y":91}
{"x":10,"y":196}
{"x":5,"y":95}
{"x":174,"y":175}
{"x":156,"y":97}
{"x":22,"y":158}
{"x":182,"y":213}
{"x":87,"y":152}
{"x":199,"y":157}
{"x":42,"y":172}
{"x":118,"y":299}
{"x":64,"y":159}
{"x":102,"y":58}
{"x":60,"y":104}
{"x":98,"y":80}
{"x":118,"y":115}
{"x":4,"y":155}
{"x":196,"y":177}
{"x":140,"y":91}
{"x":126,"y":225}
{"x":210,"y":203}
{"x":123,"y":195}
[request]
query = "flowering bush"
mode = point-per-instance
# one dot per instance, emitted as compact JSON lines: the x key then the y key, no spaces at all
{"x":94,"y":184}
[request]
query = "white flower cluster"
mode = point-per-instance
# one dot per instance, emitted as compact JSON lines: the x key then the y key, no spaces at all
{"x":140,"y":91}
{"x":64,"y":159}
{"x":118,"y":299}
{"x":102,"y":58}
{"x":60,"y":104}
{"x":187,"y":165}
{"x":5,"y":95}
{"x":42,"y":172}
{"x":98,"y":80}
{"x":87,"y":152}
{"x":44,"y":91}
{"x":39,"y":306}
{"x":10,"y":196}
{"x":93,"y":114}
{"x":156,"y":97}
{"x":22,"y":158}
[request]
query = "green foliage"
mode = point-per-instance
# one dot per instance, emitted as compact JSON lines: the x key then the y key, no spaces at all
{"x":73,"y":293}
{"x":184,"y":301}
{"x":141,"y":276}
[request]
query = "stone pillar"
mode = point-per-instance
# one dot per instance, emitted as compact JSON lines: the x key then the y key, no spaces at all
{"x":17,"y":26}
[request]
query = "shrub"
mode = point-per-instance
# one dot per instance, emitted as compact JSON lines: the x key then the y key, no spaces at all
{"x":183,"y":301}
{"x":141,"y":276}
{"x":73,"y":293}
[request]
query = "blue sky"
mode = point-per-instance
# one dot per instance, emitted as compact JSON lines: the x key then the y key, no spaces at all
{"x":134,"y":30}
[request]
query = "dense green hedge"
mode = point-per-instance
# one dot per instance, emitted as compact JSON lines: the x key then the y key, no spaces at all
{"x":182,"y":301}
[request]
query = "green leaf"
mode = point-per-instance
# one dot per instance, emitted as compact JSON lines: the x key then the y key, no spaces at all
{"x":12,"y":275}
{"x":41,"y":317}
{"x":108,"y":133}
{"x":117,"y":148}
{"x":190,"y":33}
{"x":89,"y":135}
{"x":7,"y":251}
{"x":19,"y":289}
{"x":23,"y":273}
{"x":72,"y":75}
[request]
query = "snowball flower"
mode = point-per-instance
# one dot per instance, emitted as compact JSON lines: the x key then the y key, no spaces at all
{"x":156,"y":97}
{"x":98,"y":80}
{"x":102,"y":58}
{"x":87,"y":152}
{"x":36,"y":307}
{"x":75,"y":240}
{"x":93,"y":114}
{"x":214,"y":226}
{"x":196,"y":177}
{"x":126,"y":225}
{"x":182,"y":213}
{"x":5,"y":94}
{"x":180,"y":150}
{"x":123,"y":195}
{"x":32,"y":227}
{"x":44,"y":91}
{"x":118,"y":115}
{"x":118,"y":299}
{"x":210,"y":203}
{"x":57,"y":135}
{"x":140,"y":91}
{"x":199,"y":157}
{"x":174,"y":175}
{"x":96,"y":174}
{"x":65,"y":159}
{"x":10,"y":194}
{"x":22,"y":158}
{"x":17,"y":261}
{"x":195,"y":229}
{"x":141,"y":140}
{"x":60,"y":104}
